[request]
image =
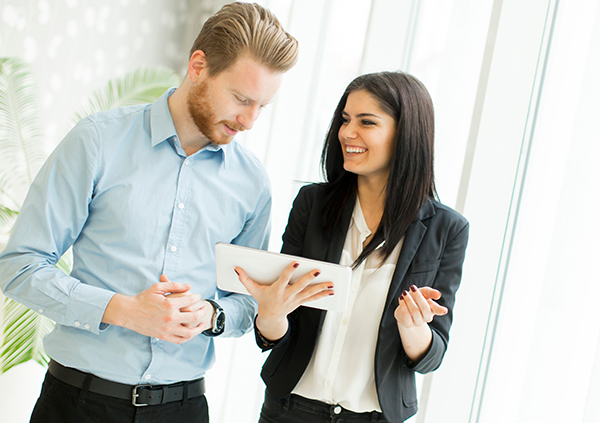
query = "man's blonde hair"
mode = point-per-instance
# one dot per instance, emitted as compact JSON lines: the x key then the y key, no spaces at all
{"x":240,"y":28}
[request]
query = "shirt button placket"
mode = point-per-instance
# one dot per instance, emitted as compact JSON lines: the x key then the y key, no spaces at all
{"x":176,"y":229}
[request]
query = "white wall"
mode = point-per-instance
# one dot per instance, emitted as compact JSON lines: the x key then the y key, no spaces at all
{"x":75,"y":46}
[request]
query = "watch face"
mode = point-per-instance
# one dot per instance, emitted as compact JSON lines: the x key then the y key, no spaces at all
{"x":219,"y":320}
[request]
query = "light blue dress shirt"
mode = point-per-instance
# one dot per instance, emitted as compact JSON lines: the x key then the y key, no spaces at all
{"x":121,"y":190}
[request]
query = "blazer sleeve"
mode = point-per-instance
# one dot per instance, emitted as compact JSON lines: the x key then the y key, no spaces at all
{"x":447,"y":281}
{"x":293,"y":242}
{"x":436,"y":245}
{"x":291,"y":354}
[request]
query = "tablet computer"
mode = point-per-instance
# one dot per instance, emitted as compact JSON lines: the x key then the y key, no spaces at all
{"x":265,"y":267}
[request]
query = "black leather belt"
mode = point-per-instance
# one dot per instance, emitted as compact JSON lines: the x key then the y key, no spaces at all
{"x":139,"y":395}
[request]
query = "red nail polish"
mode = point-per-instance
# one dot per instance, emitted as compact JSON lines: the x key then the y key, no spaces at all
{"x":405,"y":292}
{"x":413,"y":288}
{"x":317,"y":274}
{"x":401,"y":297}
{"x":236,"y":272}
{"x":330,"y":287}
{"x":296,"y":265}
{"x":331,"y":293}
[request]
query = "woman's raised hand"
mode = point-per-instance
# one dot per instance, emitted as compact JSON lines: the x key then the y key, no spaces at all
{"x":279,"y":299}
{"x":415,"y":310}
{"x":418,"y":306}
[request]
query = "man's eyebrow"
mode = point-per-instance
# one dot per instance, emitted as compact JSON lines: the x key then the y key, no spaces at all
{"x":240,"y":94}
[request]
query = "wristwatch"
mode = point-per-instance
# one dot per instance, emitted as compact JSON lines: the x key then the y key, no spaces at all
{"x":218,"y":320}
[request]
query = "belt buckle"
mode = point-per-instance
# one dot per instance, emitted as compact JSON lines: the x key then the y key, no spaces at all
{"x":135,"y":395}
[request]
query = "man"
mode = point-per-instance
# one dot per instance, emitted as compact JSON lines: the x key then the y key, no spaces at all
{"x":142,"y":194}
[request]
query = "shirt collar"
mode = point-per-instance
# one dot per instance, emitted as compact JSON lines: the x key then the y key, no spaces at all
{"x":359,"y":219}
{"x":162,"y":127}
{"x":361,"y":224}
{"x":161,"y":123}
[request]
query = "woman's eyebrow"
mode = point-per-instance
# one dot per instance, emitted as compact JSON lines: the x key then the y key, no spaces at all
{"x":360,"y":115}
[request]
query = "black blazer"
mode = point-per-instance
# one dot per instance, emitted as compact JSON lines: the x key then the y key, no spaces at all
{"x":432,"y":255}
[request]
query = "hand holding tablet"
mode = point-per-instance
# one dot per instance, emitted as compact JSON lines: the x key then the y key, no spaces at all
{"x":266,"y":267}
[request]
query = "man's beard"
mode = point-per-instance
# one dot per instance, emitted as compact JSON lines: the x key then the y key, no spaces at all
{"x":204,"y":116}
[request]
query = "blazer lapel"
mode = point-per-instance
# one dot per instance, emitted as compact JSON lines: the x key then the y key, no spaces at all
{"x":412,"y":240}
{"x":336,"y":245}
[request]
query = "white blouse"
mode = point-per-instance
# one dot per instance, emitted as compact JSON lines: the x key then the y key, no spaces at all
{"x":341,"y":370}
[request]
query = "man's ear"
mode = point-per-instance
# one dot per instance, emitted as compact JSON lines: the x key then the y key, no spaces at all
{"x":197,"y":66}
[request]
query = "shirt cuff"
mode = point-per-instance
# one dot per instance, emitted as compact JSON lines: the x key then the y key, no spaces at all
{"x":86,"y":308}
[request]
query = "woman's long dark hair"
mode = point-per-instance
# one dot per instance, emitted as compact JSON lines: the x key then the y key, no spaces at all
{"x":411,"y":181}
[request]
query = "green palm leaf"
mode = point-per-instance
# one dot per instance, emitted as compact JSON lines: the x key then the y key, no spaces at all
{"x":7,"y":215}
{"x":144,"y":85}
{"x":23,"y":331}
{"x":7,"y":212}
{"x":21,"y":144}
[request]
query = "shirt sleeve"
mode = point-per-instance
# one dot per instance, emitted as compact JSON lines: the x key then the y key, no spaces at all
{"x":51,"y":219}
{"x":241,"y":309}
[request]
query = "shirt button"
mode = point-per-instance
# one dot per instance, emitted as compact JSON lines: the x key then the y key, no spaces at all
{"x":41,"y":311}
{"x":148,"y":377}
{"x":187,"y":162}
{"x":345,"y":322}
{"x":180,"y":205}
{"x":173,"y":248}
{"x":77,"y":323}
{"x":86,"y":326}
{"x":337,"y":409}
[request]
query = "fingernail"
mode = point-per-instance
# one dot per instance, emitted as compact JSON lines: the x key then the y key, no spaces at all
{"x":331,"y":293}
{"x":405,"y":292}
{"x":296,"y":265}
{"x":317,"y":274}
{"x":413,"y":288}
{"x":401,"y":297}
{"x":236,"y":272}
{"x":330,"y":287}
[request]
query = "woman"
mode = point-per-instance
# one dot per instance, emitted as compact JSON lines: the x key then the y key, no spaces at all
{"x":376,"y":212}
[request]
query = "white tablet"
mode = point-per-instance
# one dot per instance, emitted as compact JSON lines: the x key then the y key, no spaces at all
{"x":265,"y":267}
